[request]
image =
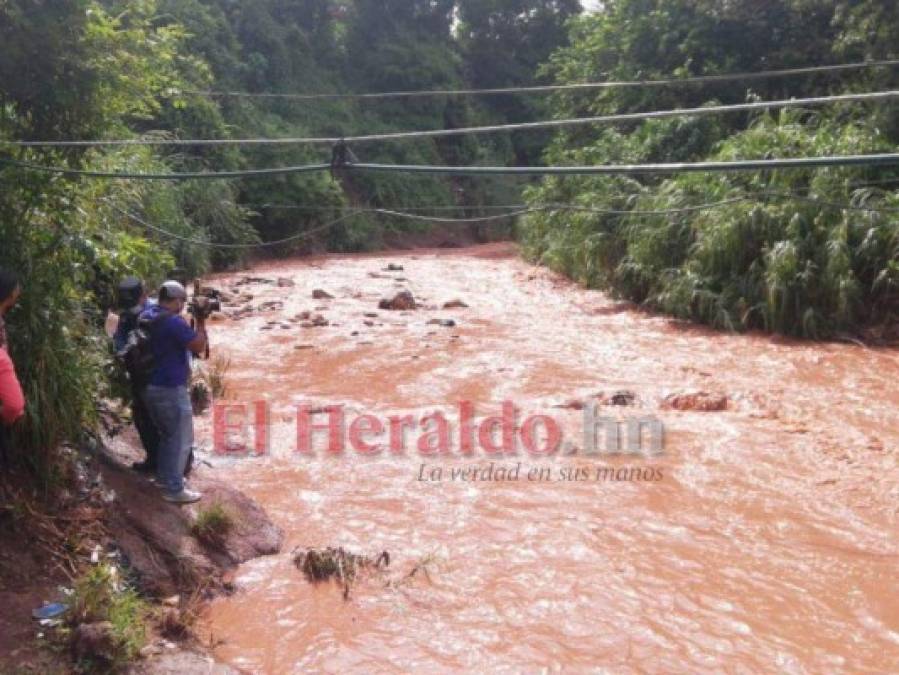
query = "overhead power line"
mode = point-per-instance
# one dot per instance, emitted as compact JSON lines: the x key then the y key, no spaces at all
{"x":441,"y":133}
{"x":611,"y":169}
{"x":884,"y":159}
{"x":210,"y":244}
{"x":189,"y":175}
{"x":519,"y":210}
{"x":700,"y":79}
{"x":436,"y":219}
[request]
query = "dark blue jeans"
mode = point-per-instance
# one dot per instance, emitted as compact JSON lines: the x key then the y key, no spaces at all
{"x":171,"y":412}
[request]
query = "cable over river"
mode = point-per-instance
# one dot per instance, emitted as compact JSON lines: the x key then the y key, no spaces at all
{"x":764,"y":537}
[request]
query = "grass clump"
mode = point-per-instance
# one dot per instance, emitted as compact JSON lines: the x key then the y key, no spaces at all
{"x":101,"y":599}
{"x":209,"y":382}
{"x":217,"y":375}
{"x":212,"y":525}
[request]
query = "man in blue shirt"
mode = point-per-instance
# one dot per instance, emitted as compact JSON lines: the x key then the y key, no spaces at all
{"x":167,"y":395}
{"x":133,"y":301}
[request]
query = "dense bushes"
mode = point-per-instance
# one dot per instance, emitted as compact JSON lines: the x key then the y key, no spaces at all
{"x":791,"y":251}
{"x":777,"y":252}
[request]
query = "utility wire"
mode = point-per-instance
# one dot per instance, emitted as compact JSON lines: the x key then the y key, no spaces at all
{"x":520,"y":210}
{"x":883,"y":159}
{"x":246,"y":173}
{"x":433,"y":219}
{"x":701,"y":79}
{"x":441,"y":133}
{"x":439,"y":207}
{"x":210,"y":244}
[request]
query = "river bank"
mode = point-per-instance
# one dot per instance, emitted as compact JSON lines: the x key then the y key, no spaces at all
{"x":105,"y":534}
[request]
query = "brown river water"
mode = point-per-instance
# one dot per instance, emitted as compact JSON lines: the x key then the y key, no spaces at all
{"x":767,"y":540}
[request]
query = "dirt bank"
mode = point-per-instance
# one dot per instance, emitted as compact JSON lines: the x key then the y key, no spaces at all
{"x":157,"y":539}
{"x":110,"y":513}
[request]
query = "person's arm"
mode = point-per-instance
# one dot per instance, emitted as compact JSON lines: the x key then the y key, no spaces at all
{"x":198,"y":344}
{"x":12,"y":401}
{"x":188,"y":338}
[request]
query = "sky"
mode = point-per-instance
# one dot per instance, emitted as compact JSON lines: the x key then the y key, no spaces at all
{"x":590,"y":5}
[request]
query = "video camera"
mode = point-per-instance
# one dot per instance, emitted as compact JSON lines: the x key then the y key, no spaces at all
{"x":201,"y":305}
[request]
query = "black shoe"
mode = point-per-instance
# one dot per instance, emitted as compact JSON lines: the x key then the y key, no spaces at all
{"x":144,"y":467}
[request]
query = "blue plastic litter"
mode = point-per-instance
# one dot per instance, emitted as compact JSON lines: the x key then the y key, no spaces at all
{"x":49,"y":611}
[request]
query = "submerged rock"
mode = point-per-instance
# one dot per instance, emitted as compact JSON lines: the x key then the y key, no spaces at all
{"x":620,"y":397}
{"x":403,"y":300}
{"x":701,"y":401}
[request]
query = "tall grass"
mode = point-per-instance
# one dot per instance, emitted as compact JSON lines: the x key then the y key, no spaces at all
{"x":778,"y":259}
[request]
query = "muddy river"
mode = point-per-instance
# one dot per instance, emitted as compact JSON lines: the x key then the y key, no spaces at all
{"x":762,"y":537}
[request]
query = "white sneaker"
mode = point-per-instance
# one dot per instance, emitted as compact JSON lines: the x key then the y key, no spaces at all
{"x":183,"y":497}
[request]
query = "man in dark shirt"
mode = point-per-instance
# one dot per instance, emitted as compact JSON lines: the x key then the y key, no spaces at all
{"x":133,"y":301}
{"x":167,"y":395}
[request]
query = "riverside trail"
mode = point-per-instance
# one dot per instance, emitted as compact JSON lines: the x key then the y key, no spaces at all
{"x":765,"y":538}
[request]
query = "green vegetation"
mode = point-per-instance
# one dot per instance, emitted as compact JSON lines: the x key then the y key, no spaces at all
{"x":99,"y":597}
{"x":93,"y":69}
{"x":213,"y":524}
{"x":766,"y":259}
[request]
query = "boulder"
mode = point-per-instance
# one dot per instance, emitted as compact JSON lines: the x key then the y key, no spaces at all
{"x":156,"y":537}
{"x":319,"y":294}
{"x":94,"y":642}
{"x":403,"y":300}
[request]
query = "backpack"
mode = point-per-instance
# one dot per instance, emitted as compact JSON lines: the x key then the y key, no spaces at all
{"x":137,"y":354}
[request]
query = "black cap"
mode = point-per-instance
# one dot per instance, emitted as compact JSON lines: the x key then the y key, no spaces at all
{"x":131,"y":290}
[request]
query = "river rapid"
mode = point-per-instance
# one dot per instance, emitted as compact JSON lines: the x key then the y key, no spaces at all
{"x":764,"y":538}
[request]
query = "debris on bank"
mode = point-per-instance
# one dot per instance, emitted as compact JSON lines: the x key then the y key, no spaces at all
{"x":336,"y":563}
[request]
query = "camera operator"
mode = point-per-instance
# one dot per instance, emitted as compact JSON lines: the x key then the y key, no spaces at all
{"x":167,"y":395}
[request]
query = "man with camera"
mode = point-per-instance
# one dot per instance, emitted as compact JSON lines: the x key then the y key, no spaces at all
{"x":167,"y":395}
